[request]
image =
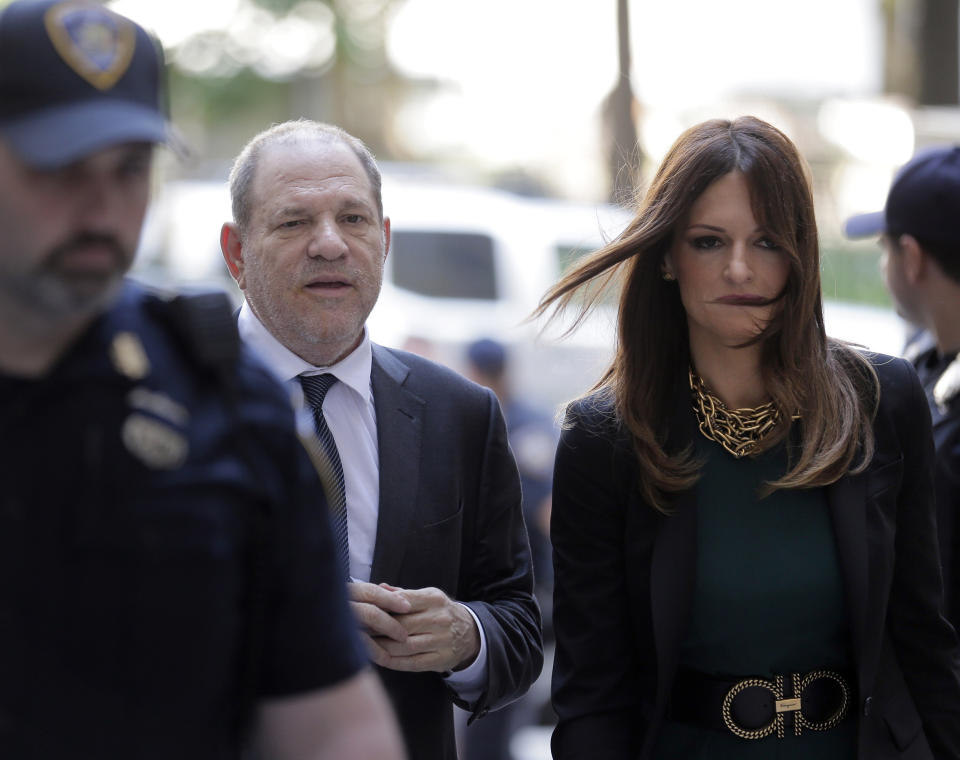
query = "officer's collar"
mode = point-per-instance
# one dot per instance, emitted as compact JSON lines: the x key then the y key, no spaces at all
{"x":947,"y":387}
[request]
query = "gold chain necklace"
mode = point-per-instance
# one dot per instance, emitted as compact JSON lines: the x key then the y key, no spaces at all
{"x":739,"y":431}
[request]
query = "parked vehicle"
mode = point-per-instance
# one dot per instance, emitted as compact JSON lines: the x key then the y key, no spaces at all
{"x":465,"y":262}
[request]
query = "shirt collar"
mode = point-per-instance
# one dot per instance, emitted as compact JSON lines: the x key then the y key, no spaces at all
{"x":353,"y":370}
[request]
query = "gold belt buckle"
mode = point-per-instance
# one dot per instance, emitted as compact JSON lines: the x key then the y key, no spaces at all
{"x":783,"y":704}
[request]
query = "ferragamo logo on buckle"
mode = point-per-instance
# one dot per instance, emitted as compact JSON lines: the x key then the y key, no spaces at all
{"x":784,"y":704}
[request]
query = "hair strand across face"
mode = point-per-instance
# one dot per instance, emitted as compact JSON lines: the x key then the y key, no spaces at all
{"x":831,"y":385}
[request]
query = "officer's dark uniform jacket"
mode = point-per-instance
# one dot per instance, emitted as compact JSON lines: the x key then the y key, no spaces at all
{"x":940,"y":375}
{"x":164,"y":549}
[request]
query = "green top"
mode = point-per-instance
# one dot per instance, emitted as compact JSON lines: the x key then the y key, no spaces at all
{"x":768,"y":599}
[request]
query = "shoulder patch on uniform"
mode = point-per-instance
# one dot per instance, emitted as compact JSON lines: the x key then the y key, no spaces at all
{"x":153,"y":442}
{"x":159,"y":404}
{"x":94,"y":42}
{"x":129,"y":356}
{"x":947,"y":386}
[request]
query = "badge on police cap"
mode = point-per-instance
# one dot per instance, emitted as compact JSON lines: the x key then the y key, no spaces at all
{"x":153,"y":442}
{"x":94,"y":42}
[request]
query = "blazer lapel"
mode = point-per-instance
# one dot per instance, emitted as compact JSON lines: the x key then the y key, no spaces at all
{"x":847,"y":499}
{"x":399,"y":432}
{"x":672,"y":576}
{"x":673,"y":565}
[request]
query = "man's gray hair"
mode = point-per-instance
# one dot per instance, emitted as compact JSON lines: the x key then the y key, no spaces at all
{"x":289,"y":132}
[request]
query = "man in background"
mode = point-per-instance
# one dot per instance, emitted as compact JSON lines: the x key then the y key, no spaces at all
{"x":169,"y":589}
{"x":431,"y":529}
{"x":920,"y":235}
{"x":533,"y":439}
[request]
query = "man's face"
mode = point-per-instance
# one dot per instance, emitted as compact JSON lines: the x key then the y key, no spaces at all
{"x":311,"y":260}
{"x":69,"y":234}
{"x":894,"y":273}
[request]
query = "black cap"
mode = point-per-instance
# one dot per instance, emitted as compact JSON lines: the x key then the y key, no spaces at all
{"x":487,"y":355}
{"x":76,"y":78}
{"x":924,"y":200}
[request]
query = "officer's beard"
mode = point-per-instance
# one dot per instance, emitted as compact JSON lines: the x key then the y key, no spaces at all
{"x":67,"y":284}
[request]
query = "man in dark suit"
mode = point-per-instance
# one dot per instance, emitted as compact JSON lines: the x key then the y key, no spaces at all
{"x":921,"y":241}
{"x":429,"y":516}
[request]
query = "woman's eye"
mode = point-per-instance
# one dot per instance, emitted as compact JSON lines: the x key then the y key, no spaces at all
{"x":706,"y":242}
{"x":767,"y":243}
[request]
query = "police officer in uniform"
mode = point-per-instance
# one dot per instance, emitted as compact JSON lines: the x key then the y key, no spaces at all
{"x":920,"y":234}
{"x":169,"y":588}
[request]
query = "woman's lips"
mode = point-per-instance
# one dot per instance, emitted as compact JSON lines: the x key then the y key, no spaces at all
{"x":738,"y":299}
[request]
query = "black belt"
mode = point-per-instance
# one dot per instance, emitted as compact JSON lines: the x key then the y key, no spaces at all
{"x":753,"y":708}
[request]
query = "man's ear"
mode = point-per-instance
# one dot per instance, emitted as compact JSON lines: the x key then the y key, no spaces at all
{"x":231,"y":246}
{"x":386,"y":236}
{"x":914,"y":259}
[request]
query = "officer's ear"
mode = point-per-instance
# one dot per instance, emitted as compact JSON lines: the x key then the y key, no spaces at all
{"x":231,"y":245}
{"x":914,"y":259}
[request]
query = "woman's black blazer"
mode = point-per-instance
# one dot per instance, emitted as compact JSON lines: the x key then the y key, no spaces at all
{"x":625,"y":574}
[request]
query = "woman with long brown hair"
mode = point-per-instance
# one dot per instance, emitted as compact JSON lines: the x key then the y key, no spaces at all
{"x":744,"y":542}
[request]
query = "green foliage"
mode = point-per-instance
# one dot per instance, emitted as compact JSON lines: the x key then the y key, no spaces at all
{"x":229,"y":98}
{"x":852,"y":273}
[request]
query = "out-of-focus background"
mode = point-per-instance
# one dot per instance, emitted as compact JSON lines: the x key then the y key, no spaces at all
{"x":508,"y":131}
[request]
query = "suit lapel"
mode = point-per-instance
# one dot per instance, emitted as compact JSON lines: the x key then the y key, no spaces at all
{"x":399,"y":432}
{"x":847,"y":500}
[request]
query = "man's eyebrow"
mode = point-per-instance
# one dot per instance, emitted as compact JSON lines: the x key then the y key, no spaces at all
{"x":286,"y":211}
{"x":356,"y":202}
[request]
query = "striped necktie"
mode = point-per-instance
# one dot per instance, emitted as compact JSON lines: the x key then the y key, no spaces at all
{"x":315,"y":389}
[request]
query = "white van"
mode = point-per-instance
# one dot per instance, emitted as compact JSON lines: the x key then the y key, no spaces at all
{"x":465,"y":262}
{"x":471,"y":262}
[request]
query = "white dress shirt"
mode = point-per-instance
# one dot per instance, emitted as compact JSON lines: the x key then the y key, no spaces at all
{"x":351,"y":416}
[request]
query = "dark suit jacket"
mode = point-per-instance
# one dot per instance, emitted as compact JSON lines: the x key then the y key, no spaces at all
{"x":946,"y":438}
{"x":450,"y":517}
{"x":625,"y":575}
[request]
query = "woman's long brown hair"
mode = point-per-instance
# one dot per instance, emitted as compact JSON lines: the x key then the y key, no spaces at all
{"x":832,"y":386}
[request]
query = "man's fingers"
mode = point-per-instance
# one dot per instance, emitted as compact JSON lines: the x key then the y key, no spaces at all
{"x":418,"y":663}
{"x":375,"y":621}
{"x":378,"y":654}
{"x":390,"y":654}
{"x":386,"y":598}
{"x":424,"y":598}
{"x":413,"y":645}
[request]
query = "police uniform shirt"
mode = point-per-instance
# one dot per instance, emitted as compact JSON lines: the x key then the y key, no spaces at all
{"x":150,"y":529}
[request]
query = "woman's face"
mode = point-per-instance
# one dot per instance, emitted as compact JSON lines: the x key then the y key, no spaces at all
{"x":726,"y":266}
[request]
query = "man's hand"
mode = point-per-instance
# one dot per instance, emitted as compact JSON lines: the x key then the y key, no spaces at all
{"x":438,"y":634}
{"x":374,"y":607}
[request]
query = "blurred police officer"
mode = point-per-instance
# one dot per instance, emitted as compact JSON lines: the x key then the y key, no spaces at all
{"x":150,"y":469}
{"x":920,"y":234}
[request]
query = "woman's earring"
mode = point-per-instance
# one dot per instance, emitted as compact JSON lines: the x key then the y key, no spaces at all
{"x":668,"y":276}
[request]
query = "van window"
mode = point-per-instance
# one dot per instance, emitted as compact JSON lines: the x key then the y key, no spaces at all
{"x":444,"y":264}
{"x":568,"y":254}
